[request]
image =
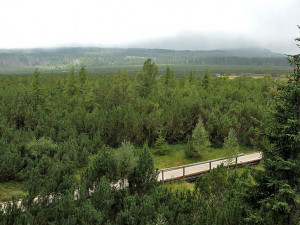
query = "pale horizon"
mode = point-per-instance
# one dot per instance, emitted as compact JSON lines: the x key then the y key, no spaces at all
{"x":176,"y":25}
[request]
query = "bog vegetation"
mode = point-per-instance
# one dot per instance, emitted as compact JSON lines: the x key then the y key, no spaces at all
{"x":51,"y":127}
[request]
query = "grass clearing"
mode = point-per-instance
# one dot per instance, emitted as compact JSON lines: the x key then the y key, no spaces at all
{"x":174,"y":158}
{"x":179,"y":69}
{"x":10,"y":189}
{"x":183,"y":186}
{"x":180,"y":186}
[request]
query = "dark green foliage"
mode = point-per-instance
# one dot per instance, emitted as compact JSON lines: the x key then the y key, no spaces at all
{"x":72,"y":85}
{"x":206,"y":79}
{"x":102,"y":197}
{"x":52,"y":128}
{"x":126,"y":160}
{"x":191,"y":77}
{"x":41,"y":147}
{"x":190,"y":151}
{"x":143,"y":177}
{"x":222,"y":198}
{"x":37,"y":92}
{"x":80,"y":113}
{"x":13,"y":153}
{"x":147,"y":78}
{"x":121,"y":88}
{"x":82,"y":77}
{"x":278,"y":186}
{"x":199,"y":141}
{"x":104,"y":165}
{"x":231,"y":146}
{"x":161,"y":146}
{"x":170,"y":78}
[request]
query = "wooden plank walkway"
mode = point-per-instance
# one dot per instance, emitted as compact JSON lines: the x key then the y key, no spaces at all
{"x":196,"y":169}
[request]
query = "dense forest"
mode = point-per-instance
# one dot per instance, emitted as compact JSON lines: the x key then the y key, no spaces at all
{"x":62,"y":58}
{"x":52,"y":126}
{"x":84,"y":113}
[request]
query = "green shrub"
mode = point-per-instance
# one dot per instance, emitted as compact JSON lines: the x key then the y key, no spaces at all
{"x":199,"y":141}
{"x":190,"y":151}
{"x":161,"y":145}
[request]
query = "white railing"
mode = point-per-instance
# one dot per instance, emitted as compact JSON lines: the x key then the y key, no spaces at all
{"x":181,"y":172}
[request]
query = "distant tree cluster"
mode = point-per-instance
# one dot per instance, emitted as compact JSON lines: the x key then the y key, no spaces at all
{"x":62,"y":58}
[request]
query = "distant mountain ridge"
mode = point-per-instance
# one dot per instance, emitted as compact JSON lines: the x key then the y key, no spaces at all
{"x":254,"y":52}
{"x":93,"y":56}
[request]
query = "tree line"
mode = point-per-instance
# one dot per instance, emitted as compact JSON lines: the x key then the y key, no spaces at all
{"x":91,"y":57}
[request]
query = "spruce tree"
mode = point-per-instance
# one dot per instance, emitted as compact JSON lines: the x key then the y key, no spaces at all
{"x":206,"y":79}
{"x":143,"y":177}
{"x":146,"y":79}
{"x":161,"y":145}
{"x":278,"y":184}
{"x":169,"y":79}
{"x":71,"y":86}
{"x":231,"y":146}
{"x":200,"y":141}
{"x":191,"y":77}
{"x":126,"y":160}
{"x":82,"y":76}
{"x":36,"y":89}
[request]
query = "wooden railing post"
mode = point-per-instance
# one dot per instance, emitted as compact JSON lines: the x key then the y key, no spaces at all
{"x":183,"y":172}
{"x":162,"y":176}
{"x":209,"y":166}
{"x":236,"y":161}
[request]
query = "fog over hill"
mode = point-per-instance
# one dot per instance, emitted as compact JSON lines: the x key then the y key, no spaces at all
{"x":92,"y":56}
{"x":218,"y":40}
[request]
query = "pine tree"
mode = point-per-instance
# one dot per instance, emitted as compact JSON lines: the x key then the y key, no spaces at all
{"x":191,"y":77}
{"x":82,"y":76}
{"x":206,"y":79}
{"x":120,"y":88}
{"x":146,"y":79}
{"x":143,"y":177}
{"x":199,"y":142}
{"x":169,"y":79}
{"x":83,"y":81}
{"x":104,"y":164}
{"x":278,"y":184}
{"x":231,"y":146}
{"x":161,"y":146}
{"x":36,"y":89}
{"x":71,"y":86}
{"x":126,"y":160}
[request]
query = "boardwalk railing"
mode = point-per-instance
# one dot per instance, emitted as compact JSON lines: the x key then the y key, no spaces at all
{"x":195,"y":169}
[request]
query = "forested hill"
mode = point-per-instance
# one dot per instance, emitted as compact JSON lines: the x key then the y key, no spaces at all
{"x":78,"y":56}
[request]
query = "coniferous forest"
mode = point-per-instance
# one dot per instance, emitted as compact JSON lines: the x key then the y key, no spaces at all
{"x":83,"y":143}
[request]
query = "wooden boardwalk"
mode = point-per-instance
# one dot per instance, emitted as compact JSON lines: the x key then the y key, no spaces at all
{"x":191,"y":171}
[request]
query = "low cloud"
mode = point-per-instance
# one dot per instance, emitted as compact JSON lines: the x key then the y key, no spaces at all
{"x":213,"y":41}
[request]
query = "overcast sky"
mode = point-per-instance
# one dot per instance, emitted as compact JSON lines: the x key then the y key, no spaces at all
{"x":174,"y":24}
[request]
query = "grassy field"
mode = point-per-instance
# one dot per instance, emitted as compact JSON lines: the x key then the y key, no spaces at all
{"x":182,"y":186}
{"x":179,"y":69}
{"x":177,"y":156}
{"x":11,"y":188}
